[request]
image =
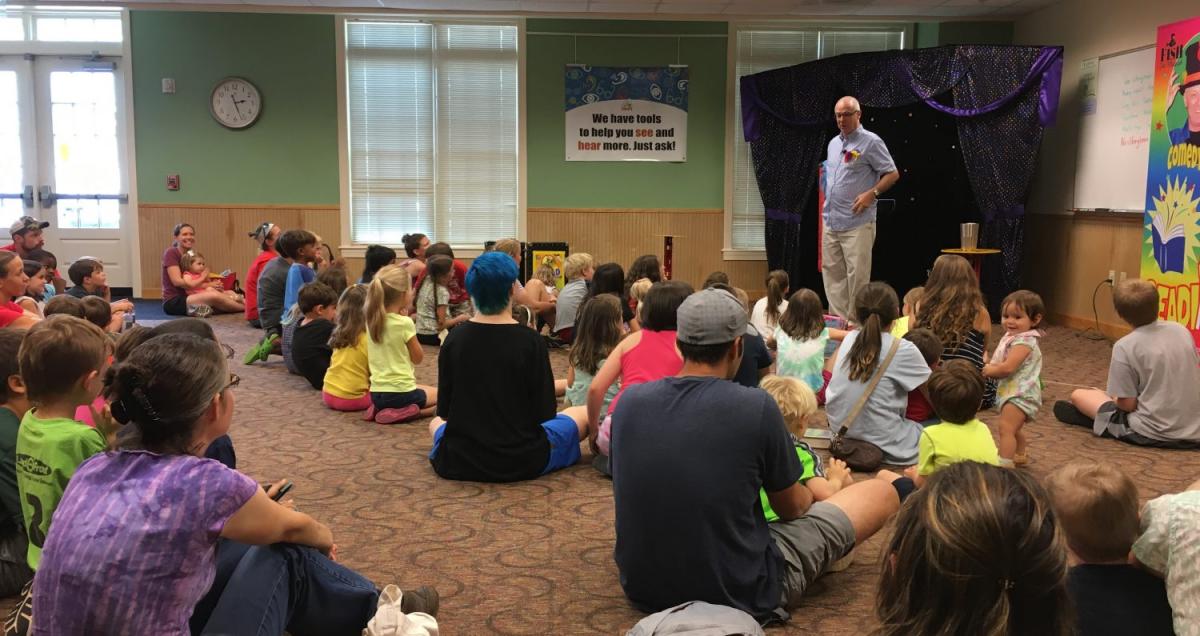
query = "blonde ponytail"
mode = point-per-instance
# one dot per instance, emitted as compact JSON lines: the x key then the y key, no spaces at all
{"x":389,"y":285}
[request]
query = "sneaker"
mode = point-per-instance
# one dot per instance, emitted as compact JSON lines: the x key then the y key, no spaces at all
{"x":424,"y":599}
{"x":260,"y":351}
{"x":1066,"y":412}
{"x":200,"y":311}
{"x":395,"y":416}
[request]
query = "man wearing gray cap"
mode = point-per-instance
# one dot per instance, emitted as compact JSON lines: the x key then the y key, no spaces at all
{"x":688,"y":459}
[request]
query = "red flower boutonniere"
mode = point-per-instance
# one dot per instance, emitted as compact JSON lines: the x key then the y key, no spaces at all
{"x":850,"y":155}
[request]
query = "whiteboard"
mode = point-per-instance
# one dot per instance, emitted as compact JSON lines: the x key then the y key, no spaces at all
{"x":1114,"y":140}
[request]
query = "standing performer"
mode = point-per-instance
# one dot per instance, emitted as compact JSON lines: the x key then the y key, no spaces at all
{"x":858,"y":168}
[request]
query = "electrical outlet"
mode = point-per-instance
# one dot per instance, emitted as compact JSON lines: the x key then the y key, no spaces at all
{"x":1112,"y":275}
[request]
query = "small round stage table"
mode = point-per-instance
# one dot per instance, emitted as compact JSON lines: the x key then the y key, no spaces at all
{"x":975,"y":256}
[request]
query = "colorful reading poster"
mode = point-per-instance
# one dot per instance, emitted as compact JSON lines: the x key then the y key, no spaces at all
{"x":552,"y":259}
{"x":626,"y":113}
{"x":1171,"y":244}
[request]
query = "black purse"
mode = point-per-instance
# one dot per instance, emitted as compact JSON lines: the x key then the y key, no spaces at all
{"x":861,"y":456}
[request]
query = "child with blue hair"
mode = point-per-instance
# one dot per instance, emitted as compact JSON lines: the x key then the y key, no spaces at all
{"x":496,"y":418}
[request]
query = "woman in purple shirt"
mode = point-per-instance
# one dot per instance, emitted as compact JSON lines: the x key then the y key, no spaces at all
{"x":155,"y":539}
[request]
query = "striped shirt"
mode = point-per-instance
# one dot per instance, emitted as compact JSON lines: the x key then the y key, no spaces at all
{"x":132,"y":547}
{"x":973,"y":350}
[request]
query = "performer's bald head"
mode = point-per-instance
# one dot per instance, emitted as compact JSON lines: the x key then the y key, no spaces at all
{"x":848,"y":114}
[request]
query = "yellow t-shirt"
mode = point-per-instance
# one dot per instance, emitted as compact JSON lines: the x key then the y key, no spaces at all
{"x":944,"y":444}
{"x":900,"y":327}
{"x":348,"y":376}
{"x":391,"y":367}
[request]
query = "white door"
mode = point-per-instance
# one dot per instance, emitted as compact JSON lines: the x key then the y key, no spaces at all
{"x":70,"y":147}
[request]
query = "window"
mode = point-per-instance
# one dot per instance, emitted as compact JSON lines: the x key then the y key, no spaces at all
{"x":60,"y":24}
{"x":765,"y":48}
{"x":433,"y":135}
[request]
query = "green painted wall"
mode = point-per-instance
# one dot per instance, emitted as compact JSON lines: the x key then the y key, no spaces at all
{"x":942,"y":33}
{"x":288,"y":157}
{"x":554,"y":182}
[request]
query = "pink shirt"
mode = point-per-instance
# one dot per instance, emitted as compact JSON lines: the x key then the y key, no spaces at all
{"x":653,"y":358}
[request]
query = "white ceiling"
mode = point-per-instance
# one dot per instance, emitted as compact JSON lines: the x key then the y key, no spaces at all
{"x":664,"y":8}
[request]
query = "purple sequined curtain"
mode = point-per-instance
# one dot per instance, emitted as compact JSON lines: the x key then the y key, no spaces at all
{"x":1001,"y":97}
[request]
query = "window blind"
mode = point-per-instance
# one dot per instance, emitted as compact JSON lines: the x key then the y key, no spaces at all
{"x":433,"y":130}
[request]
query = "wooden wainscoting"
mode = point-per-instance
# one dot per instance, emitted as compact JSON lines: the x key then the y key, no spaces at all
{"x":221,"y":233}
{"x":622,"y":235}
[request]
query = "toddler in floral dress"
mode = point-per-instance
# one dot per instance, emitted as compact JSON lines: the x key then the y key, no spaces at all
{"x":1017,"y":364}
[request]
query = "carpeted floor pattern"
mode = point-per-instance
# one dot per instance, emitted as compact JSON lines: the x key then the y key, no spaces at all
{"x":536,"y":557}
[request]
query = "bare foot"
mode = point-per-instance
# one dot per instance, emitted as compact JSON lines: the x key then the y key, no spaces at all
{"x":911,"y":472}
{"x":838,"y":471}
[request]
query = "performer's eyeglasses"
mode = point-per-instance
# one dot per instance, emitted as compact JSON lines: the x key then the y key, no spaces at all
{"x":844,"y":115}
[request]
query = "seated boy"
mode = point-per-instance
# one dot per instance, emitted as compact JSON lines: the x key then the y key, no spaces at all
{"x":310,"y":344}
{"x":911,"y":299}
{"x":64,"y":304}
{"x":578,"y":270}
{"x":956,"y":391}
{"x":88,"y":279}
{"x":272,"y":284}
{"x":496,"y":418}
{"x":63,"y":360}
{"x":1170,"y":547}
{"x":797,"y":403}
{"x":756,"y":358}
{"x":100,"y":313}
{"x":919,"y":409}
{"x":14,"y":547}
{"x":1152,"y":398}
{"x":1097,"y":509}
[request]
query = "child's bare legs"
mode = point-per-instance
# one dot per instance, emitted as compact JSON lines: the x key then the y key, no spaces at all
{"x":1012,"y":438}
{"x":1089,"y":401}
{"x":430,"y":406}
{"x":579,"y":414}
{"x":434,"y":425}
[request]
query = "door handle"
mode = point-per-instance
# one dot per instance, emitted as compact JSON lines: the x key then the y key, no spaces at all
{"x":47,"y":196}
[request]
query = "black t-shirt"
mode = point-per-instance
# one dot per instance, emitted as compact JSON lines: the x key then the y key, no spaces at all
{"x":495,"y":389}
{"x":311,"y":350}
{"x":1119,"y":600}
{"x":689,"y":455}
{"x":755,"y":358}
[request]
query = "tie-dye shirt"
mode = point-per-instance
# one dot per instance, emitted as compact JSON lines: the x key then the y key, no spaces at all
{"x":133,"y":545}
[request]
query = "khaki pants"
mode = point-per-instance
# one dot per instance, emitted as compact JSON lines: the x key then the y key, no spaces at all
{"x":846,"y":266}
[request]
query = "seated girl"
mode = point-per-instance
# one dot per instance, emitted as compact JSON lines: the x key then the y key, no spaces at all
{"x":348,"y":379}
{"x":801,"y":339}
{"x":496,"y":418}
{"x":433,"y":301}
{"x":599,"y":332}
{"x":34,"y":299}
{"x":196,"y":273}
{"x":393,"y":350}
{"x":153,"y":539}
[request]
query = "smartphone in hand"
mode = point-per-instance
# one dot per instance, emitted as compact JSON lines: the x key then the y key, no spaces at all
{"x":283,"y":490}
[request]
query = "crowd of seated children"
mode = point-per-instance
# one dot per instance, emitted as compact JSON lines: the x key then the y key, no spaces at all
{"x":310,"y":350}
{"x":393,"y":350}
{"x":768,"y":309}
{"x":644,"y":356}
{"x":54,"y":282}
{"x":1151,"y":398}
{"x":432,"y":315}
{"x":496,"y":406}
{"x":881,"y":421}
{"x":1097,"y":508}
{"x":347,"y":382}
{"x":956,"y":390}
{"x":1017,"y":364}
{"x":800,"y":339}
{"x":271,"y":285}
{"x":578,"y":269}
{"x":89,"y":279}
{"x":599,"y":331}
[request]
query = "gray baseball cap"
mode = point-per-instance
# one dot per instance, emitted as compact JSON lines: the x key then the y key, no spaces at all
{"x":709,"y":317}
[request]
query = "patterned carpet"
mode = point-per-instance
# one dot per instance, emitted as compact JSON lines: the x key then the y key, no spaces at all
{"x":536,"y":558}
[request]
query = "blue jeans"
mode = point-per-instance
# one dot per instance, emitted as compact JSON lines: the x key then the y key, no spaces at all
{"x":221,"y":449}
{"x":265,"y":590}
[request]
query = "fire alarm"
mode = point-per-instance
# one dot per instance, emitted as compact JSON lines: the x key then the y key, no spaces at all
{"x":172,"y":182}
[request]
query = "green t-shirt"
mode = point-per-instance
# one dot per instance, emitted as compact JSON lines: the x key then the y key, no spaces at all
{"x":10,"y":494}
{"x":812,"y":468}
{"x":48,"y":452}
{"x":946,"y":443}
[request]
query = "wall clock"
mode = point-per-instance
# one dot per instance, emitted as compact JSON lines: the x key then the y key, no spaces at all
{"x":235,"y":103}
